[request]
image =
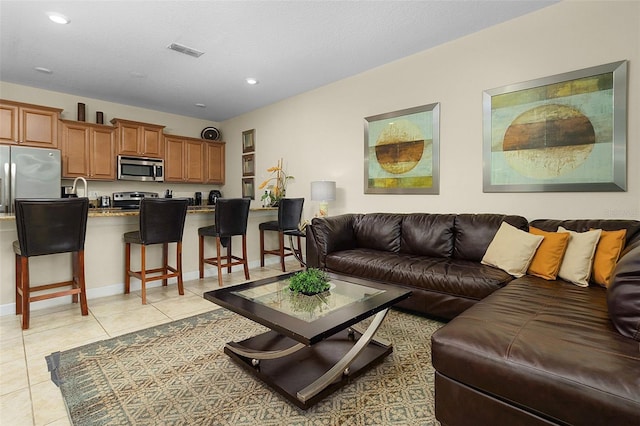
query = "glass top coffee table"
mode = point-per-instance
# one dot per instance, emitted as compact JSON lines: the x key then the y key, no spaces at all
{"x":314,"y":346}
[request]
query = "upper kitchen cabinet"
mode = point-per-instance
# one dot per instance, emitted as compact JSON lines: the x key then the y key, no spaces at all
{"x":184,"y":159}
{"x":214,"y":163}
{"x":88,"y":150}
{"x":140,"y":139}
{"x":27,"y":124}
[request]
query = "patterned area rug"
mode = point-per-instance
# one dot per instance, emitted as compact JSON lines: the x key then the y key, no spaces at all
{"x":177,"y":374}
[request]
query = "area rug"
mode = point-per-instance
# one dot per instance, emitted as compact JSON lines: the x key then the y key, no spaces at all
{"x":177,"y":374}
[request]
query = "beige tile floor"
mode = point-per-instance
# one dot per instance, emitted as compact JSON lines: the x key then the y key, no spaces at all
{"x":27,"y":394}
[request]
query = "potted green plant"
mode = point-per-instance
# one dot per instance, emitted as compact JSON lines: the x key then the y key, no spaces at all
{"x":309,"y":282}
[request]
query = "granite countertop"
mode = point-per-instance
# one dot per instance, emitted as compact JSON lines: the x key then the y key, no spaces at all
{"x":115,"y":212}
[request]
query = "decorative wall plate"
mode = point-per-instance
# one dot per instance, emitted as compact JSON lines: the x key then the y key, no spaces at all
{"x":210,"y":133}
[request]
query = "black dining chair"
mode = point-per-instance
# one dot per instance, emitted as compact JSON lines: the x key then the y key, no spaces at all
{"x":231,"y":216}
{"x":161,"y":222}
{"x":289,"y":215}
{"x":50,"y":226}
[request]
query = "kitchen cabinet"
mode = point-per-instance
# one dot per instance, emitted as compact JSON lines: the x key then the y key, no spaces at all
{"x":139,"y":139}
{"x":26,"y":124}
{"x":214,"y":162}
{"x":184,"y":159}
{"x":88,"y":150}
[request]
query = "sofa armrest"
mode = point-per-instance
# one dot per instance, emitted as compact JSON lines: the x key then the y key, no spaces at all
{"x":329,"y":234}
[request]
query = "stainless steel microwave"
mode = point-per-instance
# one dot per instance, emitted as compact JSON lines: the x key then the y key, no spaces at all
{"x":141,"y":169}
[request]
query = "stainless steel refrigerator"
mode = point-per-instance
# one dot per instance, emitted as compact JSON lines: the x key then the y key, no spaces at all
{"x":27,"y":172}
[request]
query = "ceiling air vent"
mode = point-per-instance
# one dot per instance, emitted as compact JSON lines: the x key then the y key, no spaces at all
{"x":186,"y":50}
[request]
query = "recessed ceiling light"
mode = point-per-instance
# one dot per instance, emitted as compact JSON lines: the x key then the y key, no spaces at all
{"x":43,"y":70}
{"x":201,"y":105}
{"x":252,"y":81}
{"x":58,"y":18}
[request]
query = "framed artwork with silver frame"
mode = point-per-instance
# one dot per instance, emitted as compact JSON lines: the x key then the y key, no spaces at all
{"x":402,"y":151}
{"x":248,"y":190}
{"x":248,"y":141}
{"x":564,"y":133}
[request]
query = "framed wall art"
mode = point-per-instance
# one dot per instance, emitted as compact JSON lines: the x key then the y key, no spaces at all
{"x":248,"y":188}
{"x":564,"y":133}
{"x":248,"y":165}
{"x":248,"y":141}
{"x":402,"y":151}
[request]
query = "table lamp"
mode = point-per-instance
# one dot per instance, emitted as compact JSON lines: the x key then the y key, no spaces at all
{"x":323,"y":191}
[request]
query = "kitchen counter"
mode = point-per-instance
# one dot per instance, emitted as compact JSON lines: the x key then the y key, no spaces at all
{"x":116,"y":211}
{"x":104,"y":252}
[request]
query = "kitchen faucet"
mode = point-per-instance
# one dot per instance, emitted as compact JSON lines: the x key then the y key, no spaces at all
{"x":75,"y":191}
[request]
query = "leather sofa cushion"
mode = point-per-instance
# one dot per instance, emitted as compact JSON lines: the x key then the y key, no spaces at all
{"x":461,"y":278}
{"x":623,"y":296}
{"x":379,"y":231}
{"x":548,"y":346}
{"x":474,"y":233}
{"x":428,"y":234}
{"x":584,"y":225}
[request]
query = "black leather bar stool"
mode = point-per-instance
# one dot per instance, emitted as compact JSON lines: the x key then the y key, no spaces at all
{"x":50,"y":226}
{"x":231,"y":216}
{"x":161,"y":222}
{"x":289,"y":214}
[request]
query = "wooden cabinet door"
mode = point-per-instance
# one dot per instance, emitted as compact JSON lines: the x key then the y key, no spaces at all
{"x":215,"y":162}
{"x":38,"y":127}
{"x":9,"y":124}
{"x":152,"y":143}
{"x":174,"y":160}
{"x":102,"y":153}
{"x":194,"y":161}
{"x":75,"y":150}
{"x":128,"y":139}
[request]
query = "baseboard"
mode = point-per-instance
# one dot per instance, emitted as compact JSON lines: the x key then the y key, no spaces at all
{"x":115,"y":289}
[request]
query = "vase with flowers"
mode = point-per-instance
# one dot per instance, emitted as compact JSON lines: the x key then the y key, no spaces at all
{"x":276,"y":185}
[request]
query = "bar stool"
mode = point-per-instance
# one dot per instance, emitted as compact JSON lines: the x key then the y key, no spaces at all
{"x":161,"y":222}
{"x":50,"y":226}
{"x":289,"y":214}
{"x":231,"y":216}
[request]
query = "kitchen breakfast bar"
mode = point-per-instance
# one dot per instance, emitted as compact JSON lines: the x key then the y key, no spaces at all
{"x":105,"y":255}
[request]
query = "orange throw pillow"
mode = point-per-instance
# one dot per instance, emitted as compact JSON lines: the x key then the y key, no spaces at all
{"x":608,"y":251}
{"x":547,"y":260}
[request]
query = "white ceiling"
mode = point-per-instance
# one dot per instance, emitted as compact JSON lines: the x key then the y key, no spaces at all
{"x":117,"y":50}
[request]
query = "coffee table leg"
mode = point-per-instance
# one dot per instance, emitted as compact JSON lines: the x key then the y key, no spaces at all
{"x":342,"y":366}
{"x":257,"y":355}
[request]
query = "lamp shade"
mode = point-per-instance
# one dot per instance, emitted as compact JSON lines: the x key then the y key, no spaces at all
{"x":323,"y":190}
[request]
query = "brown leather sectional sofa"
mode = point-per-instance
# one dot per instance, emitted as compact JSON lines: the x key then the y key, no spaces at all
{"x":522,"y":351}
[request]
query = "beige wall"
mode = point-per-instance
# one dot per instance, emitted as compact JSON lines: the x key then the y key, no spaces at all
{"x":320,"y":133}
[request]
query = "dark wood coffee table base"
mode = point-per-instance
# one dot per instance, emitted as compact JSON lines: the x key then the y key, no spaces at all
{"x":290,"y":374}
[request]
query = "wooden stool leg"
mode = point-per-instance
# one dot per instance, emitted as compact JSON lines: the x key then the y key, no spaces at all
{"x":25,"y":291}
{"x":281,"y":249}
{"x":229,"y":254}
{"x":18,"y":285}
{"x":201,"y":255}
{"x":75,"y":279}
{"x":165,"y":261}
{"x":219,"y":261}
{"x":84,"y":308}
{"x":143,"y":273}
{"x":127,"y":268}
{"x":300,"y":250}
{"x":179,"y":268}
{"x":244,"y":256}
{"x":262,"y":248}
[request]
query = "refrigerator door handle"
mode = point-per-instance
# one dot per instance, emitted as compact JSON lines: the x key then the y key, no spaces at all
{"x":4,"y":187}
{"x":13,"y":187}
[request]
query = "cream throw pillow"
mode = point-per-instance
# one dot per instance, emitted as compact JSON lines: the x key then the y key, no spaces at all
{"x":577,"y":261}
{"x":512,"y":250}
